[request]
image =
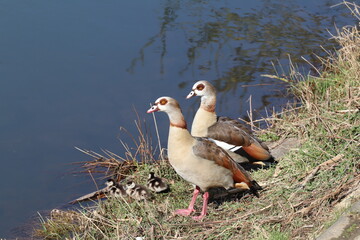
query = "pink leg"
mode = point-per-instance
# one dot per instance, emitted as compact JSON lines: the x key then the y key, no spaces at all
{"x":204,"y":208}
{"x":190,"y":209}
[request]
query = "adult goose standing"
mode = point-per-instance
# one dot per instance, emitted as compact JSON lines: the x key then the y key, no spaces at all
{"x":199,"y":160}
{"x":227,"y":133}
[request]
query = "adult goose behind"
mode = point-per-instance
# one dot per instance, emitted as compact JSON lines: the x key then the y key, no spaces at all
{"x":228,"y":133}
{"x":199,"y":160}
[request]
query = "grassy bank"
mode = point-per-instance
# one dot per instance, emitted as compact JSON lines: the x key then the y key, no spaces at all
{"x":300,"y":193}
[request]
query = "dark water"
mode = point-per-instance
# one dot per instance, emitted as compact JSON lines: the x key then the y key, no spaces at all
{"x":72,"y":71}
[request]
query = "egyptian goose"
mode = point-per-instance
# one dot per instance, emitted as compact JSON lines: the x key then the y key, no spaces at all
{"x":227,"y":133}
{"x":138,"y":192}
{"x":157,"y":184}
{"x":199,"y":160}
{"x":110,"y":183}
{"x":115,"y":189}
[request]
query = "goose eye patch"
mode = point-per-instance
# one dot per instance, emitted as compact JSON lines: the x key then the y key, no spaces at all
{"x":200,"y":87}
{"x":163,"y":101}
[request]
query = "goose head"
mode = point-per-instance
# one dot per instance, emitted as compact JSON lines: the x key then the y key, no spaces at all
{"x":164,"y":104}
{"x":130,"y":185}
{"x":151,"y":175}
{"x":203,"y":89}
{"x":110,"y":182}
{"x":172,"y":108}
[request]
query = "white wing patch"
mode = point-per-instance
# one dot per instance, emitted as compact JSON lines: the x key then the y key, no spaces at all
{"x":225,"y":145}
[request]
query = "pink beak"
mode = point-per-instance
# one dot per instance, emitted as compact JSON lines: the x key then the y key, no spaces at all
{"x":154,"y":108}
{"x":191,"y":94}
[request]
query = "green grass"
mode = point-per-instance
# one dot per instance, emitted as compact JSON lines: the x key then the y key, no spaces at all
{"x":328,"y":124}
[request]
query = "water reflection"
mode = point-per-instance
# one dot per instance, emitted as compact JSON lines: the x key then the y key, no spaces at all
{"x":234,"y":43}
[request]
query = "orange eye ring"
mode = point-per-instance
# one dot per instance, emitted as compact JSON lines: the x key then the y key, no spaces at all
{"x":163,"y":101}
{"x":200,"y":87}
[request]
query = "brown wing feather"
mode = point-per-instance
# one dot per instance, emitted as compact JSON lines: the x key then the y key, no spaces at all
{"x":256,"y":151}
{"x":235,"y":133}
{"x":207,"y":149}
{"x":227,"y":130}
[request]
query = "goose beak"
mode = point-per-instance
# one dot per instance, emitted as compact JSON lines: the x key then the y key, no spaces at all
{"x":154,"y":108}
{"x":191,"y":94}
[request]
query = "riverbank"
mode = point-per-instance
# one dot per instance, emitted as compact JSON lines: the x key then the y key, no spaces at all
{"x":301,"y":193}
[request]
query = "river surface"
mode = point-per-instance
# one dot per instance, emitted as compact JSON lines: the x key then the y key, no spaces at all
{"x":73,"y":71}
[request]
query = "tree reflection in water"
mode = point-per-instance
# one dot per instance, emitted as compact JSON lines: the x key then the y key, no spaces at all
{"x":238,"y":42}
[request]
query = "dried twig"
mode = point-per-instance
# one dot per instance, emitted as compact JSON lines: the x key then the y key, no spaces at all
{"x":332,"y":197}
{"x":327,"y":163}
